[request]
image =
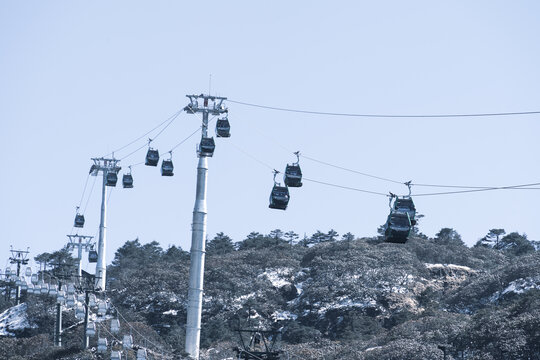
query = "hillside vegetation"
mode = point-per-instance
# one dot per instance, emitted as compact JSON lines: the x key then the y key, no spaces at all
{"x":332,"y":297}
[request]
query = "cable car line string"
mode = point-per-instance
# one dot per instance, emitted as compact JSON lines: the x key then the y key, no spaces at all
{"x":350,"y":170}
{"x":170,"y":119}
{"x":135,"y":330}
{"x":159,"y":133}
{"x":384,"y":115}
{"x":84,"y":190}
{"x":512,"y":187}
{"x":345,"y":187}
{"x":265,"y":136}
{"x":175,"y":146}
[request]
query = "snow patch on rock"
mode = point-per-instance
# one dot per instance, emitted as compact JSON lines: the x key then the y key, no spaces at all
{"x":276,"y":277}
{"x":15,"y":319}
{"x":283,"y":315}
{"x":518,"y":286}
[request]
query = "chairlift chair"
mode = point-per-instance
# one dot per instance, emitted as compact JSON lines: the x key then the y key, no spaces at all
{"x":127,"y":181}
{"x":102,"y":308}
{"x":398,"y":227}
{"x":30,"y":289}
{"x":91,"y":329}
{"x":79,"y":220}
{"x":61,"y":296}
{"x":53,"y":290}
{"x":111,"y":179}
{"x":70,"y":300}
{"x":167,"y":168}
{"x":71,"y":289}
{"x":115,"y":326}
{"x":207,"y":146}
{"x":102,"y":345}
{"x":79,"y":312}
{"x":28,"y":271}
{"x":152,"y":157}
{"x":34,"y":279}
{"x":142,"y":354}
{"x":92,"y":256}
{"x":279,"y":197}
{"x":223,"y":128}
{"x":116,"y":355}
{"x":127,"y":342}
{"x":44,"y":289}
{"x":92,"y":300}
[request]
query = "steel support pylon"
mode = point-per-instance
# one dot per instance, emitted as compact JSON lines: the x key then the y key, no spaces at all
{"x":198,"y":227}
{"x":101,"y":261}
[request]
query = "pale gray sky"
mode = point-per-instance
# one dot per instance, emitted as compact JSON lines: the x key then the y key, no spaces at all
{"x":80,"y":79}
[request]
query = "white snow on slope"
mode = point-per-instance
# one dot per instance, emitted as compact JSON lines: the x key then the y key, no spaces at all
{"x":518,"y":286}
{"x":14,"y":319}
{"x":449,"y":266}
{"x":276,"y":277}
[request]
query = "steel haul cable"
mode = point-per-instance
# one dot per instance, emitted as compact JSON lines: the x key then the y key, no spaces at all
{"x":384,"y":115}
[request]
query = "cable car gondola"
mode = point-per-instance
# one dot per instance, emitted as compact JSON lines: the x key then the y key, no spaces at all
{"x":111,"y":178}
{"x":92,"y":256}
{"x":167,"y":168}
{"x":279,"y":197}
{"x":406,"y":204}
{"x":398,"y":227}
{"x":207,"y":146}
{"x":127,"y":180}
{"x":293,"y":173}
{"x":152,"y":157}
{"x":79,"y":219}
{"x":223,"y":128}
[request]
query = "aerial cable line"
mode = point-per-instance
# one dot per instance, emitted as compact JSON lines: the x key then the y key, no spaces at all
{"x":384,"y":115}
{"x":353,"y":171}
{"x":170,"y":119}
{"x":370,"y":175}
{"x":89,"y":195}
{"x":512,"y":187}
{"x":84,"y":190}
{"x":174,"y":147}
{"x":346,"y":187}
{"x":155,"y":137}
{"x":135,"y":330}
{"x":252,"y":157}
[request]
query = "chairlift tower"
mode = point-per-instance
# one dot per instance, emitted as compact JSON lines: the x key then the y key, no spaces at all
{"x":105,"y":167}
{"x":210,"y":105}
{"x":80,"y":242}
{"x":18,"y":257}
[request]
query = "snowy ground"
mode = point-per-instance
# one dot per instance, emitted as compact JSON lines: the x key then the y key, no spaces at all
{"x":13,"y":320}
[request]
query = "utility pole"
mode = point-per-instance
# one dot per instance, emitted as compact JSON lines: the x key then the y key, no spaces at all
{"x":80,"y":242}
{"x":198,"y":231}
{"x":106,"y":167}
{"x":18,"y":257}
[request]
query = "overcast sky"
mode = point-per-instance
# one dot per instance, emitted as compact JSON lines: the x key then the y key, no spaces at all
{"x":80,"y":79}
